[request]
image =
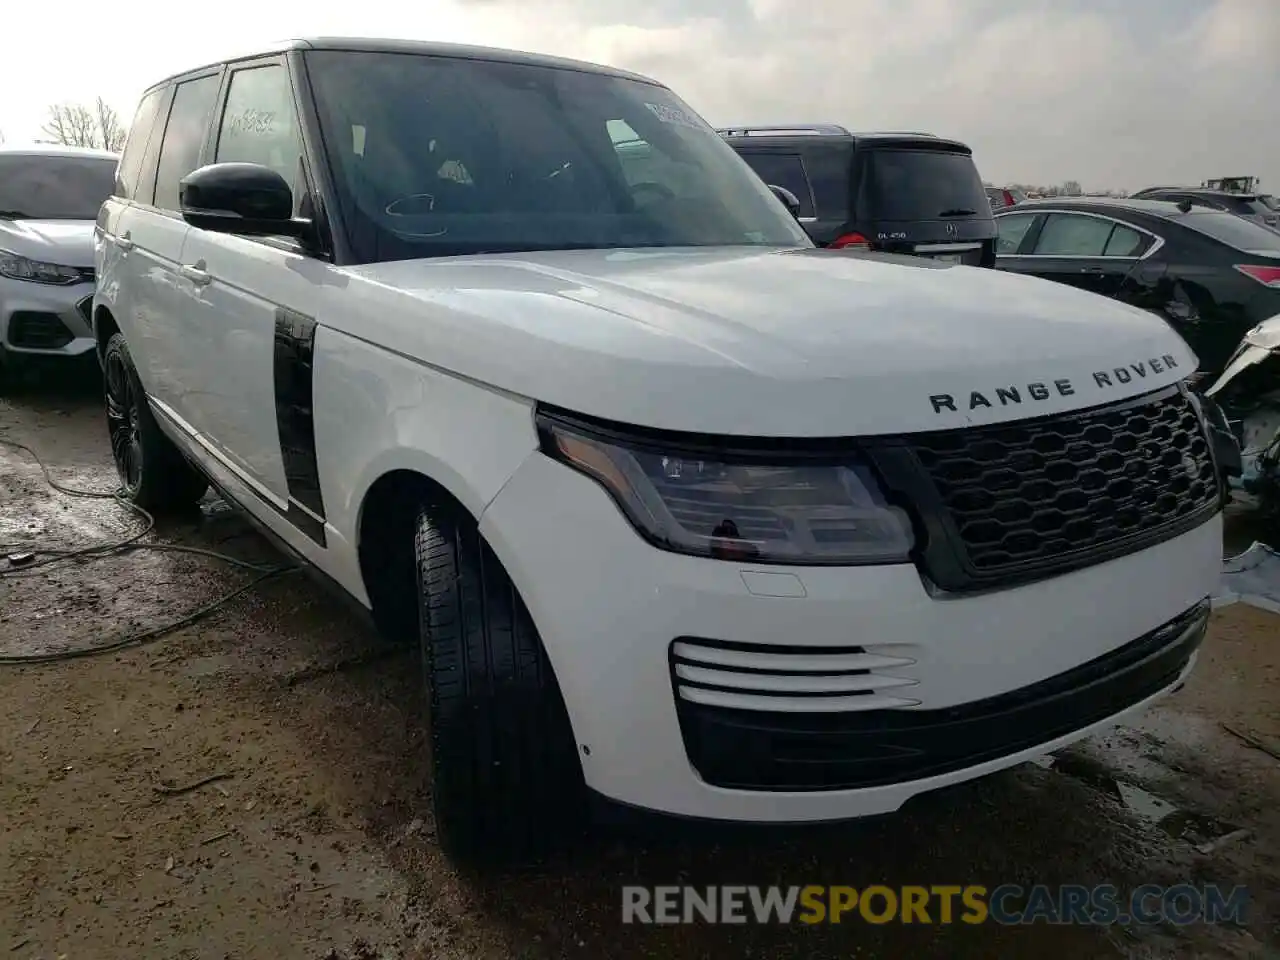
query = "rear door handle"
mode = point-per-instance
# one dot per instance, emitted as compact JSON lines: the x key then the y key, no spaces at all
{"x":195,"y":274}
{"x":124,"y":243}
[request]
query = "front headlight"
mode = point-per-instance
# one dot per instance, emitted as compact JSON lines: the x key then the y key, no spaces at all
{"x":754,"y":505}
{"x":36,"y":271}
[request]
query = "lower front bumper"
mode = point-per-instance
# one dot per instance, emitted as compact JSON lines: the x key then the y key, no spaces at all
{"x":808,"y":751}
{"x":611,"y":608}
{"x":45,"y":320}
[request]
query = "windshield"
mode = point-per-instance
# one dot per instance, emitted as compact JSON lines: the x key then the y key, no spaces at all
{"x":441,"y":156}
{"x":923,"y":185}
{"x":44,"y":187}
{"x":1235,"y":231}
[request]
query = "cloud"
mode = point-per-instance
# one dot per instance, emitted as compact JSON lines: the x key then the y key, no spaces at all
{"x":1113,"y":93}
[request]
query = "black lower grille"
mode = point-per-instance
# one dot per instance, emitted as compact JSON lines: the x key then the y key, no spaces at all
{"x":1013,"y":502}
{"x":37,"y":330}
{"x":750,"y":750}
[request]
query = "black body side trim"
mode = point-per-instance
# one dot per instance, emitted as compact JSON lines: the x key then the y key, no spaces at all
{"x":310,"y":527}
{"x":294,"y":349}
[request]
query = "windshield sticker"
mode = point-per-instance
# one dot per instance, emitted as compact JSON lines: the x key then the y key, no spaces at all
{"x":677,"y":116}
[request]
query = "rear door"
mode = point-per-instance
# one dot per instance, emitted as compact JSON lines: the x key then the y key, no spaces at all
{"x":1086,"y":250}
{"x":925,"y":200}
{"x":151,"y":234}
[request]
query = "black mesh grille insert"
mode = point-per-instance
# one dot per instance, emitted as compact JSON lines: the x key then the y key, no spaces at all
{"x":36,"y":330}
{"x":1029,"y":494}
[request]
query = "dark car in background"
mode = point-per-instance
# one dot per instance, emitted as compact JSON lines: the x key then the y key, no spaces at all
{"x":1248,"y":205}
{"x":1210,"y":274}
{"x":910,"y":193}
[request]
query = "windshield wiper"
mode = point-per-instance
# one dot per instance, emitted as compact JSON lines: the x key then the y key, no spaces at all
{"x":14,"y":215}
{"x":958,"y":212}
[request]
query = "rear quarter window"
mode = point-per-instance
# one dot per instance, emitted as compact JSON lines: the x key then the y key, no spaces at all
{"x":1243,"y":235}
{"x":136,"y":145}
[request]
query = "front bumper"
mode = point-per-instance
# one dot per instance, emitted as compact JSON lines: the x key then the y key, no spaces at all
{"x":44,"y":320}
{"x":611,"y":608}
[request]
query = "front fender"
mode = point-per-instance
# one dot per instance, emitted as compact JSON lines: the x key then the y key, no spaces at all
{"x":377,"y":412}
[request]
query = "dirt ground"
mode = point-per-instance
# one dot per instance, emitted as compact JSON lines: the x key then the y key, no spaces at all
{"x":316,"y":839}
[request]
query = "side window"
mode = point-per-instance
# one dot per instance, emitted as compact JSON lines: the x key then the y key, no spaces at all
{"x":183,"y":136}
{"x":260,"y":124}
{"x":1011,"y":230}
{"x":136,"y":145}
{"x":1070,"y":235}
{"x":1125,"y":242}
{"x":784,"y":170}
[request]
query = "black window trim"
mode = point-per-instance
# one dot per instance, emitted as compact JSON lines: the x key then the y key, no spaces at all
{"x":209,"y":151}
{"x":1157,"y":240}
{"x":218,"y":71}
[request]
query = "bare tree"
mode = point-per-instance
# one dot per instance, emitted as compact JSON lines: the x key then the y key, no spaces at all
{"x":76,"y":125}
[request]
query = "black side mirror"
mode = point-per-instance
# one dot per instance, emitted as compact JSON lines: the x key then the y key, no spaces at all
{"x":240,"y":198}
{"x":789,"y":199}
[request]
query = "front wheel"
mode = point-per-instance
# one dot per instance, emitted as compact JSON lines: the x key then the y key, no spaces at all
{"x":153,"y":473}
{"x":506,"y":778}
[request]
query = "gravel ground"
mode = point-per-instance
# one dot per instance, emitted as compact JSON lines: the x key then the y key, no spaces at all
{"x":316,"y":840}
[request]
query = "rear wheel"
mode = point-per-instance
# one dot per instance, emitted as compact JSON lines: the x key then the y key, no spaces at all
{"x":506,"y":779}
{"x":153,"y":473}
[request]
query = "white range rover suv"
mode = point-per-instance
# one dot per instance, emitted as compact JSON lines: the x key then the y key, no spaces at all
{"x":683,"y":512}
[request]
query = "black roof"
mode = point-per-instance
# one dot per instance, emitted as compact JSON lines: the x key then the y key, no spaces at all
{"x":420,"y":47}
{"x":1166,"y":209}
{"x":817,"y":133}
{"x":1205,"y":192}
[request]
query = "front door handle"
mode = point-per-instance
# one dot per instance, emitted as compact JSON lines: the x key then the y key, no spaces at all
{"x":195,"y":273}
{"x":124,"y":243}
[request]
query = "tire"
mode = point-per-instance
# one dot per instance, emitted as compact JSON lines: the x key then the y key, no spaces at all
{"x":507,"y":784}
{"x":153,"y":472}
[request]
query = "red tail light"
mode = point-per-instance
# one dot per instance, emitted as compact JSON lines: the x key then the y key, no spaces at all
{"x":850,"y":241}
{"x":1009,"y":201}
{"x":1267,"y":276}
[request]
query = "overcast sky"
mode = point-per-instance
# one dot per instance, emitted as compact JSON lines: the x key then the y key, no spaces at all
{"x":1113,"y":93}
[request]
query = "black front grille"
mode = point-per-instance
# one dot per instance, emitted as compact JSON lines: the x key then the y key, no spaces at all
{"x":751,"y":750}
{"x":36,"y":330}
{"x":1013,"y":502}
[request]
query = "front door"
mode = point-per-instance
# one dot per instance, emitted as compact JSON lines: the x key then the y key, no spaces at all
{"x":253,"y":301}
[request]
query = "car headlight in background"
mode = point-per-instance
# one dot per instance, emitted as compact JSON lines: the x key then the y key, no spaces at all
{"x":766,"y":506}
{"x":21,"y":268}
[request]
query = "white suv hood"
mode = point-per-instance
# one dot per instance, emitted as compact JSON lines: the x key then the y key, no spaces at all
{"x":764,"y":342}
{"x":68,"y":243}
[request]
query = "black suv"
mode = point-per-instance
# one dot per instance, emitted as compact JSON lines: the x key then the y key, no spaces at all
{"x":893,"y":192}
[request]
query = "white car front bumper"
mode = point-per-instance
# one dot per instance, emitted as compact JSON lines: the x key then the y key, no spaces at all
{"x":38,"y":319}
{"x":611,"y":609}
